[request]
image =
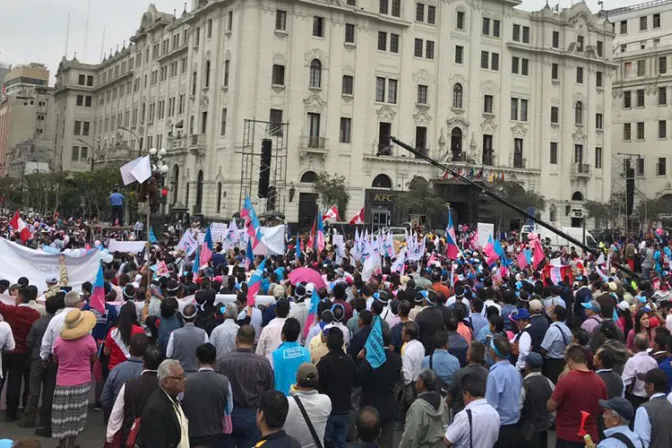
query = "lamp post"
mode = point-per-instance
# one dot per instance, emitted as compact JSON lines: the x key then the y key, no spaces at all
{"x":158,"y":168}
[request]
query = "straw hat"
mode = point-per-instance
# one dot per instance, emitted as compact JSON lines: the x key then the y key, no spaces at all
{"x":77,"y":324}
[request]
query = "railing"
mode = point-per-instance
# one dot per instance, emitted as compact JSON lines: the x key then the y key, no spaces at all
{"x":581,"y":169}
{"x":519,"y":162}
{"x":458,"y":157}
{"x":195,"y":139}
{"x":313,"y":142}
{"x":488,"y":159}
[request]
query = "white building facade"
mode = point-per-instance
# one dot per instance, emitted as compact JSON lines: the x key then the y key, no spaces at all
{"x":492,"y":91}
{"x":642,"y":129}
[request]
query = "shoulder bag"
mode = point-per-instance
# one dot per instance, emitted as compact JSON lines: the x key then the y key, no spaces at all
{"x":318,"y":442}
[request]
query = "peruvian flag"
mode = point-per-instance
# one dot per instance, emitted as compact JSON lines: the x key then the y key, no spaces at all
{"x":557,"y":274}
{"x":358,"y":218}
{"x":20,"y":226}
{"x":331,"y":214}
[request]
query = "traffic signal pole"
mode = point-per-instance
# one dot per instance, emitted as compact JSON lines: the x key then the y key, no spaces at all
{"x":490,"y":193}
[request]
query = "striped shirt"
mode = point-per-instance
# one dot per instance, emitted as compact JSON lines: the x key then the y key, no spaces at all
{"x":250,"y":376}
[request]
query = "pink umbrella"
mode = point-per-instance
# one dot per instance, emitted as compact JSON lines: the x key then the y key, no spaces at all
{"x":306,"y":275}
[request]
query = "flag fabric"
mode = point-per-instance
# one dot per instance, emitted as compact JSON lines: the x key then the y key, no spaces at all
{"x":332,"y":214}
{"x":20,"y":226}
{"x":196,"y":267}
{"x":139,"y":170}
{"x":375,"y":350}
{"x":398,"y":263}
{"x":538,"y":253}
{"x":249,"y":255}
{"x":188,"y":243}
{"x":311,"y":237}
{"x":489,"y":248}
{"x":452,"y":275}
{"x":254,"y":284}
{"x":522,"y":260}
{"x":358,"y":218}
{"x":254,"y":226}
{"x":297,"y":249}
{"x":152,"y":236}
{"x":207,"y":247}
{"x":451,"y":239}
{"x":319,"y":243}
{"x":97,"y":300}
{"x":311,"y":318}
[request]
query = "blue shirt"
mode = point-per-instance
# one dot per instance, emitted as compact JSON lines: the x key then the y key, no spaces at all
{"x":502,"y":390}
{"x":443,"y":363}
{"x":556,"y":339}
{"x":478,"y":323}
{"x":615,"y":443}
{"x":103,"y":321}
{"x":666,"y":366}
{"x":286,"y":361}
{"x":116,"y":199}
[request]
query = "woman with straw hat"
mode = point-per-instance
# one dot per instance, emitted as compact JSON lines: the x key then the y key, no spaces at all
{"x":74,"y":352}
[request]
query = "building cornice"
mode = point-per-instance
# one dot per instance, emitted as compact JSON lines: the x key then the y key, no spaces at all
{"x":561,"y":54}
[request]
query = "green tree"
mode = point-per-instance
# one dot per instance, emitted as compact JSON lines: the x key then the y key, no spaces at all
{"x":422,"y":199}
{"x":515,"y":193}
{"x":332,"y":190}
{"x":605,"y":214}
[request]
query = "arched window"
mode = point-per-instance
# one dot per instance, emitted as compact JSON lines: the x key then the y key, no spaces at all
{"x":578,"y":113}
{"x":577,"y":196}
{"x":382,"y":181}
{"x":207,"y":74}
{"x":219,"y":197}
{"x":175,"y":183}
{"x":309,"y":177}
{"x":315,"y":74}
{"x":199,"y":193}
{"x":457,"y":96}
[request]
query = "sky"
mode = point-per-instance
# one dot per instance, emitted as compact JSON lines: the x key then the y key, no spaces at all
{"x":36,"y":30}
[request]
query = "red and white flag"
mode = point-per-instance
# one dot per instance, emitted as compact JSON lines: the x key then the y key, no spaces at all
{"x":331,"y":214}
{"x":358,"y":218}
{"x":20,"y":226}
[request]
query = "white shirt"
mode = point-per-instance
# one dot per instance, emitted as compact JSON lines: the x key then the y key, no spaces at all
{"x":411,"y":362}
{"x":300,"y":313}
{"x":344,"y":330}
{"x":641,"y":362}
{"x":271,"y":337}
{"x":223,"y":337}
{"x":642,"y":423}
{"x":484,"y":426}
{"x":318,"y":408}
{"x":524,"y":347}
{"x":53,"y":331}
{"x":7,"y":342}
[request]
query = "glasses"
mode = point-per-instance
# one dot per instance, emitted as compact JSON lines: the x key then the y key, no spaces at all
{"x":178,"y":378}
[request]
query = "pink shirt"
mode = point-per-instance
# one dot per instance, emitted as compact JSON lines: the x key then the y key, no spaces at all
{"x":74,"y":360}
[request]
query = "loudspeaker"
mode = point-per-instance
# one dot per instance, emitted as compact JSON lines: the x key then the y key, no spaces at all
{"x":629,"y":190}
{"x":265,"y":167}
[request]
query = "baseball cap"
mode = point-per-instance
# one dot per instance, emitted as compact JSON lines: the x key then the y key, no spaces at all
{"x":381,"y":296}
{"x":593,"y":305}
{"x":521,"y":314}
{"x":52,"y":281}
{"x":534,"y":359}
{"x":623,"y":305}
{"x":619,"y":405}
{"x":307,"y":375}
{"x":535,"y":305}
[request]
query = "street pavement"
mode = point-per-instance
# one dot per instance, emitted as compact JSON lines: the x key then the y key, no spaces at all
{"x":92,"y":437}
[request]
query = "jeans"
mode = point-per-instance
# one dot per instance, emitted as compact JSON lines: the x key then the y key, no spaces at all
{"x":17,"y":372}
{"x":337,"y":430}
{"x":36,"y":379}
{"x":509,"y":436}
{"x":49,"y":386}
{"x":245,"y":430}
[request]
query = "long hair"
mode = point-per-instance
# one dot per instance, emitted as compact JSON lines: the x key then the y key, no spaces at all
{"x":638,"y":326}
{"x":128,"y":316}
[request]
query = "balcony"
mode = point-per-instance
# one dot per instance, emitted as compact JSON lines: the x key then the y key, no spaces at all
{"x":519,"y":162}
{"x":488,"y":159}
{"x":581,"y":170}
{"x":197,"y":144}
{"x":313,"y":145}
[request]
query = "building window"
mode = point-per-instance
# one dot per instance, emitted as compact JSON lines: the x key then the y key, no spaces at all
{"x":207,"y":74}
{"x":78,"y":128}
{"x":514,"y":108}
{"x":346,"y":126}
{"x":281,"y":20}
{"x":422,"y":94}
{"x":494,"y":62}
{"x":495,"y":28}
{"x":229,"y":21}
{"x":578,"y":113}
{"x":392,"y":91}
{"x":662,"y":65}
{"x":598,"y":79}
{"x":554,"y":72}
{"x":485,"y":59}
{"x":275,"y":119}
{"x":394,"y":43}
{"x":431,"y":14}
{"x":656,"y":20}
{"x":662,"y":96}
{"x":315,"y":74}
{"x":643,"y":23}
{"x":209,"y":29}
{"x":515,"y":65}
{"x":600,"y":48}
{"x":349,"y":33}
{"x":459,"y":54}
{"x":380,"y":90}
{"x":661,"y":166}
{"x":384,"y":6}
{"x":459,"y":20}
{"x":89,"y":81}
{"x":598,"y":121}
{"x":278,"y":75}
{"x":486,"y":26}
{"x":487,"y":158}
{"x":396,"y":8}
{"x":624,"y":27}
{"x":222,"y":129}
{"x":347,"y":85}
{"x":662,"y":129}
{"x":429,"y":49}
{"x":516,"y":33}
{"x":382,"y":41}
{"x":556,"y":39}
{"x":417,"y":51}
{"x":579,"y":75}
{"x":640,"y":98}
{"x":457,"y":96}
{"x":526,"y":34}
{"x":421,"y":138}
{"x":554,"y":153}
{"x":525,"y":67}
{"x":318,"y":26}
{"x":640,"y":166}
{"x":85,"y":127}
{"x":640,"y":131}
{"x":641,"y":68}
{"x":523,"y":110}
{"x":627,"y":132}
{"x":598,"y":158}
{"x":627,"y":99}
{"x":487,"y":104}
{"x":82,"y":80}
{"x":80,"y":100}
{"x":227,"y":68}
{"x":555,"y":112}
{"x":579,"y":43}
{"x":419,"y":12}
{"x":518,"y":160}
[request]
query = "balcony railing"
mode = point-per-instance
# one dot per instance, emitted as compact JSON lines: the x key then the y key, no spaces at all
{"x":310,"y":144}
{"x":458,"y":156}
{"x":581,"y":169}
{"x":488,"y":159}
{"x":519,"y":162}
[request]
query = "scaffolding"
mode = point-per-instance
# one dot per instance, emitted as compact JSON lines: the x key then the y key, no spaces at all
{"x":620,"y":163}
{"x":254,"y":131}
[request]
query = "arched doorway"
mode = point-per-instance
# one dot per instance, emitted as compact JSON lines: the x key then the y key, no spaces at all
{"x":577,"y":196}
{"x":382,"y":181}
{"x":199,"y":193}
{"x":307,"y":201}
{"x":309,"y":177}
{"x":174,"y":184}
{"x":456,"y":144}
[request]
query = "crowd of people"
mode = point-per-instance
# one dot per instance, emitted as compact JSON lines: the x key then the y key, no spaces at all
{"x":474,"y":352}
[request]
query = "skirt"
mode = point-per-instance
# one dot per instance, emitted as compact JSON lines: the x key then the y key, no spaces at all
{"x":69,"y":409}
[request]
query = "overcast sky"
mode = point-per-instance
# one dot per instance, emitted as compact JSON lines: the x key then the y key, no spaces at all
{"x":35,"y":30}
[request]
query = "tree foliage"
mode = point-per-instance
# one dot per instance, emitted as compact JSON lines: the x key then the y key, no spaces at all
{"x":515,"y":193}
{"x":421,"y":199}
{"x":332,"y":191}
{"x":605,"y":214}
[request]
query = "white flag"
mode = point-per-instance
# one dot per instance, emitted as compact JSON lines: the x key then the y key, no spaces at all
{"x":136,"y":170}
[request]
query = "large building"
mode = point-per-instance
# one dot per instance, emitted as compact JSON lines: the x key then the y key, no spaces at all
{"x":641,"y":128}
{"x":491,"y":90}
{"x":26,"y":120}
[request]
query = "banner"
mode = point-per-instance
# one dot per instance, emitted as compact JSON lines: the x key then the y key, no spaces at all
{"x":127,"y":247}
{"x":188,"y":243}
{"x":18,"y":261}
{"x":218,"y":231}
{"x":272,"y":241}
{"x":485,"y":231}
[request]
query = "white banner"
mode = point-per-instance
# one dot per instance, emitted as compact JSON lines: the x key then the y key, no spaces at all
{"x":188,"y":243}
{"x":485,"y":231}
{"x":18,"y":261}
{"x":272,"y":242}
{"x":126,"y":247}
{"x":218,"y":230}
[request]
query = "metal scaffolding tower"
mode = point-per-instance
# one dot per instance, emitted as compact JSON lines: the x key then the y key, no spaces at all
{"x":621,"y":163}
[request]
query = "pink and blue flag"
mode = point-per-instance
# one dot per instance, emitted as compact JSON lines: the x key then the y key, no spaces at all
{"x":319,"y":241}
{"x":254,"y":227}
{"x":451,"y":239}
{"x":207,"y":247}
{"x":254,"y":284}
{"x":97,"y":300}
{"x":249,"y":254}
{"x":312,"y":312}
{"x":297,"y":249}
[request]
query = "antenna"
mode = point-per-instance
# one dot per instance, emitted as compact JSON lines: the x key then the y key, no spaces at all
{"x":86,"y":29}
{"x":102,"y":46}
{"x":67,"y":36}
